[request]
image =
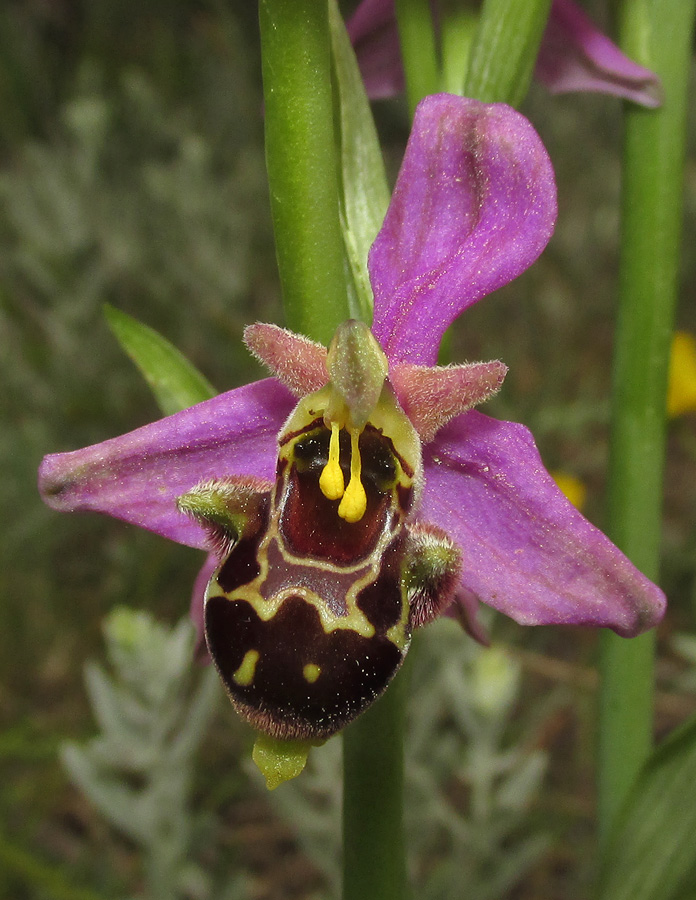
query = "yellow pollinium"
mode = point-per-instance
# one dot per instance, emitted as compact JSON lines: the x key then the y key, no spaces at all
{"x":353,"y":498}
{"x":331,"y":478}
{"x":354,"y":502}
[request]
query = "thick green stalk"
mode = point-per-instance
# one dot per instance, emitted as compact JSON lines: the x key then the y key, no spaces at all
{"x":458,"y":25}
{"x":302,"y":173}
{"x":656,"y":33}
{"x":374,"y":846}
{"x":301,"y":163}
{"x":504,"y":50}
{"x":418,"y":49}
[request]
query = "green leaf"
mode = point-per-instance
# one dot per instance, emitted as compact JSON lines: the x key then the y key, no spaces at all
{"x":174,"y":381}
{"x":419,"y":48}
{"x":364,"y":193}
{"x":41,"y":878}
{"x":459,"y":25}
{"x":505,"y":49}
{"x":653,"y":848}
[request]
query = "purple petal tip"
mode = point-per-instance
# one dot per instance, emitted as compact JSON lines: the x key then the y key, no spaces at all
{"x":473,"y":207}
{"x":527,"y":551}
{"x":576,"y":56}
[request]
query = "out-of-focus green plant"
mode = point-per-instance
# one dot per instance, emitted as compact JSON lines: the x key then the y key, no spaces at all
{"x":473,"y":788}
{"x":142,"y":201}
{"x":684,"y":645}
{"x":312,"y":806}
{"x":153,"y":711}
{"x":472,"y":776}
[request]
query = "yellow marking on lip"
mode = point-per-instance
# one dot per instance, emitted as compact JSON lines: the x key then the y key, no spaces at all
{"x":245,"y":673}
{"x":399,"y":633}
{"x":354,"y":620}
{"x":311,"y":672}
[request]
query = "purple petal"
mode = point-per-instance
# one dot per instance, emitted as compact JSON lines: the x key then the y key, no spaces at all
{"x":576,"y":56}
{"x":137,"y":477}
{"x":295,"y":360}
{"x":375,"y":38}
{"x":474,"y":206}
{"x":431,"y":396}
{"x":526,"y":550}
{"x":464,"y":610}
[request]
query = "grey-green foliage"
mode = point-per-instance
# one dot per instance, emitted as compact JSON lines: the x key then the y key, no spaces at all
{"x":155,"y":203}
{"x":685,"y":646}
{"x":311,"y":804}
{"x":132,"y":204}
{"x":152,"y":710}
{"x":472,"y":775}
{"x":472,"y":767}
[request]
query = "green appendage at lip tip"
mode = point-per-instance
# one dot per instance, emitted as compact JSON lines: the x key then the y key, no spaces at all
{"x":280,"y":761}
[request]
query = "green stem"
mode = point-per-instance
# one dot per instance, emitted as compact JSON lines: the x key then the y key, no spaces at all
{"x":656,"y":33}
{"x":418,"y":49}
{"x":504,"y":50}
{"x":458,"y":23}
{"x":302,"y":173}
{"x":374,"y":865}
{"x":301,"y":163}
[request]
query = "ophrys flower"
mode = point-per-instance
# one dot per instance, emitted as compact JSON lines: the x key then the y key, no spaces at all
{"x":356,"y":494}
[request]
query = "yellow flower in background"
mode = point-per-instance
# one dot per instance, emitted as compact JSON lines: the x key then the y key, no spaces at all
{"x":681,"y":391}
{"x":574,"y":489}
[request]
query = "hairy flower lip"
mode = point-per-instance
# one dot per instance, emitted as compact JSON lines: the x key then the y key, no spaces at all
{"x":526,"y":551}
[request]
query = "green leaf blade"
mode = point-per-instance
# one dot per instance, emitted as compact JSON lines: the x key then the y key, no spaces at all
{"x":364,"y":193}
{"x":653,"y":848}
{"x":174,"y":381}
{"x":505,"y":49}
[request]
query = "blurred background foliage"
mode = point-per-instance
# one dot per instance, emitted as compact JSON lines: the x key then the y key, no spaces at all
{"x":131,"y":172}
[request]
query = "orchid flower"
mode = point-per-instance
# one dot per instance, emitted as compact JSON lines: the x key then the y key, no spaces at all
{"x":574,"y":55}
{"x":356,"y":494}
